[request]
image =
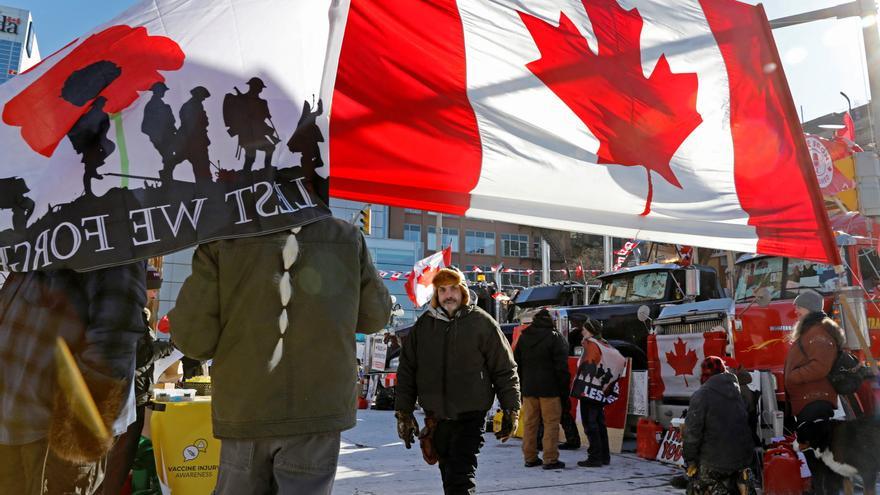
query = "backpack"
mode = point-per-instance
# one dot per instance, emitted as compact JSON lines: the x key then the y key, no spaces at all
{"x":847,"y":372}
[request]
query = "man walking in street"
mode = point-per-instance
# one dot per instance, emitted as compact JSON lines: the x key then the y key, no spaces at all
{"x":542,"y":362}
{"x":278,"y":314}
{"x":45,"y":446}
{"x":454,"y":362}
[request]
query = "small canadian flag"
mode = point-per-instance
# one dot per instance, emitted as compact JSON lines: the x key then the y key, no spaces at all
{"x":418,"y":281}
{"x":477,"y":269}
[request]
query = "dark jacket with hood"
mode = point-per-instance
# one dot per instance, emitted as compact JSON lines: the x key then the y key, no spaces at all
{"x":541,"y":356}
{"x":809,"y":360}
{"x":716,"y":430}
{"x":456,"y":364}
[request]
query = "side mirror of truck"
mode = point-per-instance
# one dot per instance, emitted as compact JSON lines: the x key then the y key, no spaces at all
{"x":643,"y":313}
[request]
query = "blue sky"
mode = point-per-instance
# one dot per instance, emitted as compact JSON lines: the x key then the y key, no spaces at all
{"x":820,"y":59}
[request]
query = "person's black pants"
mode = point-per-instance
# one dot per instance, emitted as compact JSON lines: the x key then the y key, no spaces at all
{"x":458,"y":443}
{"x":569,"y":427}
{"x":121,"y":456}
{"x":593,"y":418}
{"x":824,"y":480}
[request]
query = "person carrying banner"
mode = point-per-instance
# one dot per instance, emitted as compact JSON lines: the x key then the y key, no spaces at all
{"x":149,"y":350}
{"x":718,"y":447}
{"x":542,"y":363}
{"x":44,"y":442}
{"x":454,"y":362}
{"x":280,"y":328}
{"x":598,"y":370}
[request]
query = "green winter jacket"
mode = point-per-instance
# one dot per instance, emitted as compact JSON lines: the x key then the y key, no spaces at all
{"x":229,"y":309}
{"x":456,"y":365}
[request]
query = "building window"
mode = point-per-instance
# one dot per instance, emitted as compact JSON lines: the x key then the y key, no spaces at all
{"x":412,"y":232}
{"x":473,"y":275}
{"x":450,"y":236}
{"x":29,"y":39}
{"x":413,"y":211}
{"x":515,"y":245}
{"x":519,"y":279}
{"x":394,"y":258}
{"x":476,"y":242}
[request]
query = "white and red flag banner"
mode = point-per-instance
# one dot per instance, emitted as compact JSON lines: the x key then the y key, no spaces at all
{"x":663,"y":120}
{"x":680,"y":357}
{"x":179,"y":122}
{"x":598,"y":371}
{"x":419,"y":285}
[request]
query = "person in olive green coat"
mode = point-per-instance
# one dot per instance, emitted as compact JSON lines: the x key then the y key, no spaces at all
{"x":278,"y":314}
{"x":454,"y":362}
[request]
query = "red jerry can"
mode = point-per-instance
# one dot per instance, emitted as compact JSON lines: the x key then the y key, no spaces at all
{"x":649,"y":433}
{"x":782,"y":472}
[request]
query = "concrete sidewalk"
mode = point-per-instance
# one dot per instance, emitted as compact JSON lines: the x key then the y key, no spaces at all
{"x":373,"y":461}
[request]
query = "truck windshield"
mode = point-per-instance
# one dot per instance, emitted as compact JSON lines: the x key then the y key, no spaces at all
{"x":785,"y":278}
{"x":638,"y":287}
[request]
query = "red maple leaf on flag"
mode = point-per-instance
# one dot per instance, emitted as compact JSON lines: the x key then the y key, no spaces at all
{"x":427,"y":276}
{"x":682,"y":360}
{"x":638,"y":121}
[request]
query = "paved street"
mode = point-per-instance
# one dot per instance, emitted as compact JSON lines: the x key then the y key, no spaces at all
{"x":373,"y":461}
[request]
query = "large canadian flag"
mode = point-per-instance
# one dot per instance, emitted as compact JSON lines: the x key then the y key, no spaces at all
{"x":652,"y":119}
{"x":418,"y":281}
{"x":679,"y":357}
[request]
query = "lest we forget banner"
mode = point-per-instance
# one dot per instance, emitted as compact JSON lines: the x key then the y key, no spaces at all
{"x":183,"y":121}
{"x":177,"y":123}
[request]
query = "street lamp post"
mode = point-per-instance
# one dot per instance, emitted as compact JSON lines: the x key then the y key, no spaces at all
{"x":867,"y":11}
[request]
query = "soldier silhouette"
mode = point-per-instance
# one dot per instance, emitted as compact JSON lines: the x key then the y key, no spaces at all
{"x":305,"y":140}
{"x":193,"y":136}
{"x":247,"y":116}
{"x":13,"y":196}
{"x":89,"y":133}
{"x":161,"y":127}
{"x":89,"y":138}
{"x":606,"y":377}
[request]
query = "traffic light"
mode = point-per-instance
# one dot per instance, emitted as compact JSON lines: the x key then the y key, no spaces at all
{"x":365,"y":215}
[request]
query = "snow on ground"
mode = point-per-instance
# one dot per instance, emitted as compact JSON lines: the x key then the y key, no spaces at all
{"x":373,"y":461}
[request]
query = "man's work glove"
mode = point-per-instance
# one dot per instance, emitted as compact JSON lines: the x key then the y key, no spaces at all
{"x":426,"y":440}
{"x":407,"y":427}
{"x":508,"y":424}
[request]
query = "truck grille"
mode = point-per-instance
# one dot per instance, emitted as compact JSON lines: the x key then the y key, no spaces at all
{"x":695,"y":327}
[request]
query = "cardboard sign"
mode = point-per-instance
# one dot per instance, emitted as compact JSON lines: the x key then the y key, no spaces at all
{"x":638,"y":393}
{"x":671,"y":449}
{"x":380,"y":351}
{"x":615,"y":413}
